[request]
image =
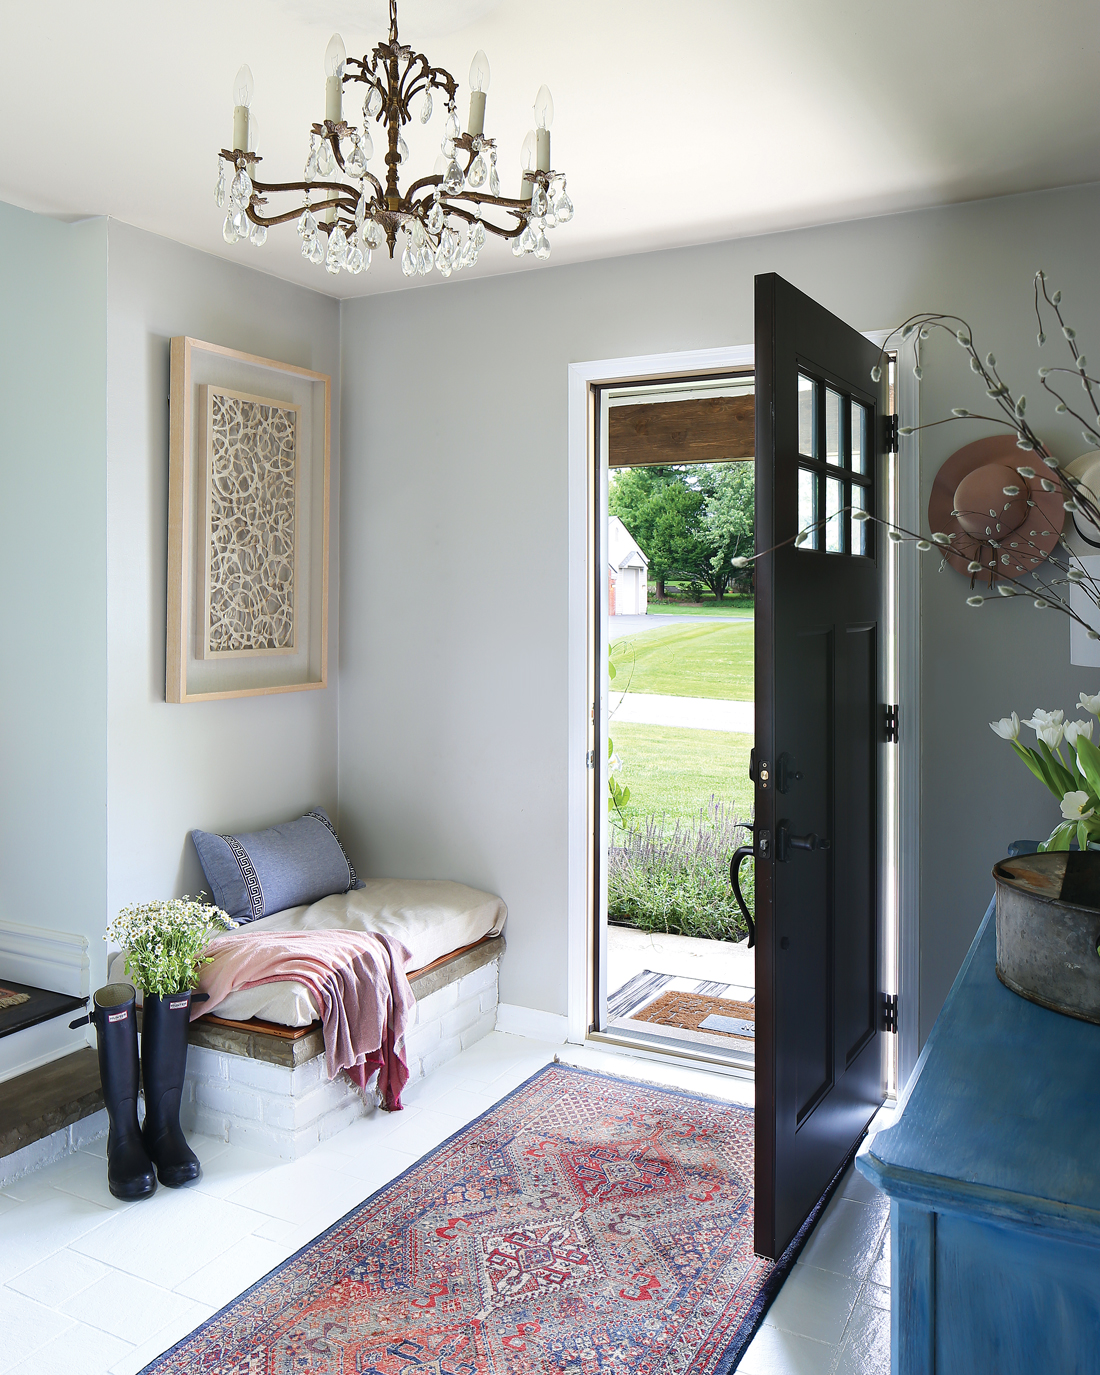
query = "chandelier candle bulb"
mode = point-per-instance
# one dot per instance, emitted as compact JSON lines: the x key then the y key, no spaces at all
{"x":479,"y":86}
{"x":242,"y":99}
{"x":253,"y":139}
{"x":544,"y":117}
{"x":527,"y":162}
{"x":335,"y":57}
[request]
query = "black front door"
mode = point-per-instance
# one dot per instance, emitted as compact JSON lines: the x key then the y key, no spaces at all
{"x":819,"y":652}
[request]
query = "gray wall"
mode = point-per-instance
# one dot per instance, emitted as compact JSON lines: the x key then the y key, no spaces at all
{"x":53,"y":667}
{"x":453,"y":715}
{"x":241,"y":763}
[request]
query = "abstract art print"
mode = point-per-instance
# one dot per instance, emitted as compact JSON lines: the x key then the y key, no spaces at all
{"x":251,"y":537}
{"x":248,"y":524}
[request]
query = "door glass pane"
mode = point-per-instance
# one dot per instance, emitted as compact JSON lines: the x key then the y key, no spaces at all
{"x":807,"y":505}
{"x":859,"y":503}
{"x":834,"y":527}
{"x":832,"y":428}
{"x":806,"y":417}
{"x":859,"y":438}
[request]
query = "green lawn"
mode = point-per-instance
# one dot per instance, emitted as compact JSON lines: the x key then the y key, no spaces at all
{"x":672,"y":772}
{"x":730,"y":605}
{"x":687,"y":661}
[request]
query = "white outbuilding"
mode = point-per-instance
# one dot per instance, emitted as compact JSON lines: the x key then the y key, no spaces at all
{"x":627,"y":572}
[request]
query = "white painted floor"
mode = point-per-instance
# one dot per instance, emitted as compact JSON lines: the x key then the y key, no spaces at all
{"x":92,"y":1285}
{"x":630,"y":952}
{"x":694,"y":713}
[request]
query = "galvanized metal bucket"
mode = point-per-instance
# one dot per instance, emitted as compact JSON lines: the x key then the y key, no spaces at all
{"x":1048,"y":930}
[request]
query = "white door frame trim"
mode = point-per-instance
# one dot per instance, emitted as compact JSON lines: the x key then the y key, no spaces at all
{"x":582,"y":376}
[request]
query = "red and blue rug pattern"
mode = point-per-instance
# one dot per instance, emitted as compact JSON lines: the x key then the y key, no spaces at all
{"x":583,"y":1225}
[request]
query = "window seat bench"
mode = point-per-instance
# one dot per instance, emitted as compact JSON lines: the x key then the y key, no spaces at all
{"x":264,"y":1086}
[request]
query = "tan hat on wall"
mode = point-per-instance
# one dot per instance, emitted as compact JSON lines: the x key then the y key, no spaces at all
{"x":998,"y":518}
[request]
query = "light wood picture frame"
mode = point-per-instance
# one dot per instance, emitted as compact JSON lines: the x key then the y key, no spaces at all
{"x":287,"y":651}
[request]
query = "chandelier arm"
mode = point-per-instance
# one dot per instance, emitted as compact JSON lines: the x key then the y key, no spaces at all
{"x":439,"y":78}
{"x":506,"y":232}
{"x":449,"y":208}
{"x":295,"y":214}
{"x":513,"y":206}
{"x":434,"y":180}
{"x":418,"y":67}
{"x":339,"y":187}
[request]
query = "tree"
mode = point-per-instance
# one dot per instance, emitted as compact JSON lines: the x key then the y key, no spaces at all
{"x":635,"y":496}
{"x":730,"y":518}
{"x":690,"y":519}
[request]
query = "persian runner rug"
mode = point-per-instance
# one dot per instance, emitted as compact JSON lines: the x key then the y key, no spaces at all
{"x":9,"y":998}
{"x":584,"y":1224}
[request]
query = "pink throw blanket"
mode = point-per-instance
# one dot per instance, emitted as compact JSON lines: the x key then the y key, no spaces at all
{"x":357,"y":978}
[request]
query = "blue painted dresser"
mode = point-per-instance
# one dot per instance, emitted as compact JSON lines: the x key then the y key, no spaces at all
{"x":993,"y":1172}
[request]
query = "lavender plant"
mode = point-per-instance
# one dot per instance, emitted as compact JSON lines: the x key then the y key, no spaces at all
{"x":677,"y":881}
{"x":164,"y":941}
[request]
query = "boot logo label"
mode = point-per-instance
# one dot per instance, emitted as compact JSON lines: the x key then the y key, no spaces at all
{"x":117,"y":1016}
{"x":175,"y":1007}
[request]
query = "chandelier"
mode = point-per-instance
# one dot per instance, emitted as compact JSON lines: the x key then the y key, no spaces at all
{"x":344,"y":212}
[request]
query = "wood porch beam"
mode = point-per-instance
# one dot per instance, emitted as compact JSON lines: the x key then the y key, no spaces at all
{"x":711,"y":429}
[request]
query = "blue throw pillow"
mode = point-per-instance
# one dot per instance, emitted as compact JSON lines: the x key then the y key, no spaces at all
{"x":254,"y":875}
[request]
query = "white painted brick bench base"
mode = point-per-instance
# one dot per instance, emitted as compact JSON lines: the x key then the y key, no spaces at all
{"x":286,"y":1111}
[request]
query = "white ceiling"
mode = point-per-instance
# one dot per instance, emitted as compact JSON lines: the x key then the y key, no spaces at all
{"x":676,"y":123}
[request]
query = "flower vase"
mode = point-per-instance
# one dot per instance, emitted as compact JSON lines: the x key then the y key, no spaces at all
{"x":1048,"y":930}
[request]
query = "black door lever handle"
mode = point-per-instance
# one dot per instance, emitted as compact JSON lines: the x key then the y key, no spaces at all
{"x":808,"y":842}
{"x":785,"y":842}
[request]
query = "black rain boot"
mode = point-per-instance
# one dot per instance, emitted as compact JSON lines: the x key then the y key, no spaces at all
{"x":163,"y":1066}
{"x":129,"y":1169}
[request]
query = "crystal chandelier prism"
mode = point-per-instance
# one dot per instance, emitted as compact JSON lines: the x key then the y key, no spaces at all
{"x":342,"y":209}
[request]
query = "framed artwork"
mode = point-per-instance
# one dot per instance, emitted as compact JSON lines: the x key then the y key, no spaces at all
{"x":248,"y":516}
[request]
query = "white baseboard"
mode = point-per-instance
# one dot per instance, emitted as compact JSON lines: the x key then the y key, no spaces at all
{"x":38,"y":1045}
{"x":57,"y":960}
{"x":530,"y":1022}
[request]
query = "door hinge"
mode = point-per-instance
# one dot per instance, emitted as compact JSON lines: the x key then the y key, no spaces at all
{"x":890,"y":1012}
{"x":889,"y":434}
{"x":590,"y":759}
{"x":892,"y":727}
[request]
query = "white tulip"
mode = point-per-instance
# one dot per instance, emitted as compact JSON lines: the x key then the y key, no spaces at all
{"x":1075,"y":729}
{"x":1091,"y":704}
{"x":1073,"y":807}
{"x":1008,"y":727}
{"x":1051,"y":735}
{"x":1041,"y":719}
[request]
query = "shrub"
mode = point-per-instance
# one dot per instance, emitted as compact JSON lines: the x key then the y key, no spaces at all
{"x":677,"y":880}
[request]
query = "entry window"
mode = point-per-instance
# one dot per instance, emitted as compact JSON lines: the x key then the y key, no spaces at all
{"x":834,"y":469}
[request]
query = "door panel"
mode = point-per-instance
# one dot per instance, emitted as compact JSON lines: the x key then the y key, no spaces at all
{"x":818,"y":748}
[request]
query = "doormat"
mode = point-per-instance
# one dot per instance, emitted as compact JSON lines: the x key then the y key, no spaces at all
{"x":9,"y":998}
{"x":639,"y":990}
{"x":583,"y":1224}
{"x":701,"y":1012}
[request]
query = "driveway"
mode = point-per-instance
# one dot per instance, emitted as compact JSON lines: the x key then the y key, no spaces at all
{"x":621,"y":626}
{"x":696,"y":713}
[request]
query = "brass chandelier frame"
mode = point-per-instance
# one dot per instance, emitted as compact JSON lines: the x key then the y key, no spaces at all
{"x":397,"y":74}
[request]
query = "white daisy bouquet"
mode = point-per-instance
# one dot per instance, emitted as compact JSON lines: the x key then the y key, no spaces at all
{"x":1075,"y":781}
{"x":164,"y":941}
